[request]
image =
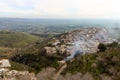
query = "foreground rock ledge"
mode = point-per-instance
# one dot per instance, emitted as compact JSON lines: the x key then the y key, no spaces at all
{"x":7,"y":74}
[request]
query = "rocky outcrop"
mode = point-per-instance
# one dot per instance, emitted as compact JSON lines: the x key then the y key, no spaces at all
{"x":50,"y":50}
{"x":18,"y":75}
{"x":84,"y":40}
{"x":7,"y":74}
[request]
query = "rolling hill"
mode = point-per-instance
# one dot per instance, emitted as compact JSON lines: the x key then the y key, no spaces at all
{"x":16,"y":39}
{"x":16,"y":42}
{"x":48,"y":52}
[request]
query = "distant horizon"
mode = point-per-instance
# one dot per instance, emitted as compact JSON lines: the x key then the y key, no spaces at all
{"x":61,"y":18}
{"x":60,"y":9}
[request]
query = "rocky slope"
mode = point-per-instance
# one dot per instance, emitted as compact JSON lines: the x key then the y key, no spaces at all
{"x":84,"y":40}
{"x":8,"y":74}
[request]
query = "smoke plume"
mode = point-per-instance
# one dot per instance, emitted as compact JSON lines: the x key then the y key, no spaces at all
{"x":86,"y":40}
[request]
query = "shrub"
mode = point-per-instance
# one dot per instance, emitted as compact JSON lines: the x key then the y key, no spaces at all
{"x":36,"y":61}
{"x":102,"y":47}
{"x":114,"y":44}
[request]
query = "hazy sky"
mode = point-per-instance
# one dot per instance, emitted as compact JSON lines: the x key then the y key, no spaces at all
{"x":60,"y":8}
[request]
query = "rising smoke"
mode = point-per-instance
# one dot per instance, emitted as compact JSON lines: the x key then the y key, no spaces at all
{"x":87,"y":40}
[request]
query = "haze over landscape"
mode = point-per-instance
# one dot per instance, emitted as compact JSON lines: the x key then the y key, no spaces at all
{"x":59,"y":40}
{"x":108,"y":9}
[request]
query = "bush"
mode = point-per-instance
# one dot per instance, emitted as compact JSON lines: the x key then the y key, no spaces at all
{"x":114,"y":44}
{"x":102,"y":47}
{"x":107,"y":63}
{"x":36,"y":61}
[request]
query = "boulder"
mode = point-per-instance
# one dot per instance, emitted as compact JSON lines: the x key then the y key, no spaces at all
{"x":50,"y":50}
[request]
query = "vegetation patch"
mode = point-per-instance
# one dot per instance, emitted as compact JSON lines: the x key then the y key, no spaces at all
{"x":107,"y":63}
{"x":16,"y":39}
{"x":36,"y":61}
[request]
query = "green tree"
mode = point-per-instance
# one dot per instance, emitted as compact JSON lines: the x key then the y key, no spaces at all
{"x":102,"y":47}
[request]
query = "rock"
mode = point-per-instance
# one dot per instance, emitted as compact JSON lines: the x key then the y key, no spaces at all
{"x":61,"y":62}
{"x":4,"y":63}
{"x":50,"y":51}
{"x":19,"y":75}
{"x":7,"y":74}
{"x":112,"y":71}
{"x":115,"y":59}
{"x":56,"y":42}
{"x":62,"y":49}
{"x":94,"y":65}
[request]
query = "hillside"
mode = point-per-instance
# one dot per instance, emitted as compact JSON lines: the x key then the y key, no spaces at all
{"x":54,"y":49}
{"x":16,"y":39}
{"x":84,"y":40}
{"x":98,"y":66}
{"x":101,"y":65}
{"x":15,"y":42}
